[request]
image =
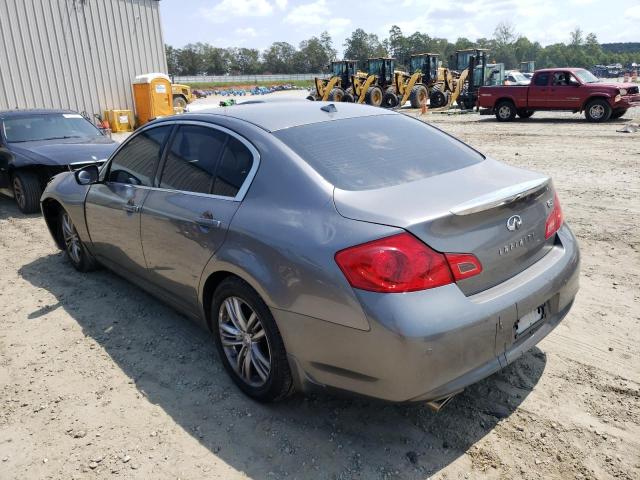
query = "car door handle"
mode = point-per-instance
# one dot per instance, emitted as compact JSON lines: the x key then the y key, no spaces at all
{"x":208,"y":222}
{"x":131,"y":208}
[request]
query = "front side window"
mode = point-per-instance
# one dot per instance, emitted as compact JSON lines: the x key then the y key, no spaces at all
{"x":541,"y":80}
{"x":564,"y":79}
{"x":136,"y":162}
{"x":234,"y":167}
{"x":192,"y":159}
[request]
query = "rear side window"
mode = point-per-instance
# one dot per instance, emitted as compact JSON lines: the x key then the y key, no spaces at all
{"x":541,"y":80}
{"x":192,"y":159}
{"x":234,"y":167}
{"x":138,"y":159}
{"x":366,"y":153}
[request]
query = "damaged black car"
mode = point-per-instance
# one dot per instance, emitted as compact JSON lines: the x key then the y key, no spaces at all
{"x":35,"y":145}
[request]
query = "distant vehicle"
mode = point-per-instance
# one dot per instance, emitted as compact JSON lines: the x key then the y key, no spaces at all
{"x":182,"y":95}
{"x":514,"y":77}
{"x":328,"y":245}
{"x":35,"y":145}
{"x":528,"y":75}
{"x":569,"y":89}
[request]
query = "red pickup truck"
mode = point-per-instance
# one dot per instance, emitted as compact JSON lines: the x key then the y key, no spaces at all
{"x":571,"y":89}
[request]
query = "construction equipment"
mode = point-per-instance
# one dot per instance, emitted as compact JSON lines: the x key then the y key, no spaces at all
{"x":383,"y":68}
{"x":334,"y":88}
{"x":471,"y":73}
{"x":361,"y":83}
{"x":528,"y":67}
{"x":182,"y":95}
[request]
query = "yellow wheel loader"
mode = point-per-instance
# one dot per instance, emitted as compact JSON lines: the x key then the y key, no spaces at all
{"x":361,"y":82}
{"x":334,"y":88}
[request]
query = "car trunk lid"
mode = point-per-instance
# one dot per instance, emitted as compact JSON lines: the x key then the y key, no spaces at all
{"x":493,"y":211}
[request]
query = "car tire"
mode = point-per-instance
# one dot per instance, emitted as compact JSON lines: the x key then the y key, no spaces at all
{"x":26,"y":191}
{"x":418,"y":96}
{"x":264,"y":373}
{"x":505,"y":111}
{"x":74,"y":248}
{"x":437,"y":99}
{"x":618,"y":113}
{"x":597,"y":111}
{"x":389,"y":99}
{"x":373,"y":96}
{"x":179,"y":102}
{"x":336,"y":95}
{"x":525,"y":113}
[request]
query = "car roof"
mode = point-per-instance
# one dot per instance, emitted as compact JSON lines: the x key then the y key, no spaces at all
{"x":559,"y":69}
{"x":273,"y":116}
{"x":31,"y":111}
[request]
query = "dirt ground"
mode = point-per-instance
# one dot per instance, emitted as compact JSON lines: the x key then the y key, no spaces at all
{"x":100,"y":380}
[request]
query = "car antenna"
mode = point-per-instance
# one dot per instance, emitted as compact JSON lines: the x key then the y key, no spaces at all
{"x":331,"y":108}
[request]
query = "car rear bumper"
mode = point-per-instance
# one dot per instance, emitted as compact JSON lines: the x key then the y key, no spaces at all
{"x":427,"y":345}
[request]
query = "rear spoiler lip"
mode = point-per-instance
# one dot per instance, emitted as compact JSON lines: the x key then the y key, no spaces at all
{"x":501,"y":197}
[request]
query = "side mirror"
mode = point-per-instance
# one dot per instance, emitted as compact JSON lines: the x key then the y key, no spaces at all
{"x":87,"y":175}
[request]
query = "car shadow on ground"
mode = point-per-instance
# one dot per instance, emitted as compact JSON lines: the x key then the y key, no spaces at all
{"x":174,"y":364}
{"x":533,"y":120}
{"x":9,"y":209}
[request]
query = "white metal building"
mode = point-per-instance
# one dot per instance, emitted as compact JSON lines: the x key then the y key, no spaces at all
{"x":77,"y":54}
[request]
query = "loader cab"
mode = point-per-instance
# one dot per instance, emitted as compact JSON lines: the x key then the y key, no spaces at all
{"x":427,"y":64}
{"x":344,"y":69}
{"x":474,"y":59}
{"x":383,"y":68}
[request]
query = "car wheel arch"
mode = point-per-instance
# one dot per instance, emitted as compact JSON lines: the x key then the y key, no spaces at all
{"x":51,"y":209}
{"x":596,"y":96}
{"x":211,"y":280}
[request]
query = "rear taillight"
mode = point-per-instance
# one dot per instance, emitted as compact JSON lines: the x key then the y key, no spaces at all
{"x":555,"y":218}
{"x":463,"y":265}
{"x":400,"y":263}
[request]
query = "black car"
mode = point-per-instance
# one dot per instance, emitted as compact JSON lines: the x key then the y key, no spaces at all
{"x":35,"y":145}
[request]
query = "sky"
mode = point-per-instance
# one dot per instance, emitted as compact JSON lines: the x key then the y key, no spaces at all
{"x":258,"y":23}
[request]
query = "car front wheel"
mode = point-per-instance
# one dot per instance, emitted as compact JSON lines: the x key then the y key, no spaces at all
{"x":249,"y":342}
{"x":26,"y":191}
{"x":598,"y":111}
{"x":75,"y":250}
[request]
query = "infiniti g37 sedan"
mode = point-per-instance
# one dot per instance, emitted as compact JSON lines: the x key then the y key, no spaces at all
{"x":335,"y":246}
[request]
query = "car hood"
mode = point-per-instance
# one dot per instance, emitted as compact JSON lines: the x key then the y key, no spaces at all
{"x":63,"y":151}
{"x":626,"y":85}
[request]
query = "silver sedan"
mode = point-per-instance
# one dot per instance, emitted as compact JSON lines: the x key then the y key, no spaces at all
{"x":328,"y":246}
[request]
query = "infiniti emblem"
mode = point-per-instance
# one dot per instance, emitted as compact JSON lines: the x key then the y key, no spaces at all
{"x":514,"y":223}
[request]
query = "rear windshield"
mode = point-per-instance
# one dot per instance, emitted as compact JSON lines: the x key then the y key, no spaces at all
{"x":366,"y":153}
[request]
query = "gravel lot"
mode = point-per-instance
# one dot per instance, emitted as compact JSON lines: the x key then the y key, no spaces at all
{"x":100,"y":380}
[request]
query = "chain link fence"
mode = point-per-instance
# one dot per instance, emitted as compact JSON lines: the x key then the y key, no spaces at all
{"x":246,"y":78}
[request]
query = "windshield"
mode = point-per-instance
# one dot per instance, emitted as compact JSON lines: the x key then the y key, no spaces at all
{"x":49,"y":126}
{"x":586,"y":76}
{"x":366,"y":153}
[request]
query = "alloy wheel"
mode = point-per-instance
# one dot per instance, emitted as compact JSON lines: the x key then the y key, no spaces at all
{"x":504,"y":112}
{"x":244,"y":341}
{"x":71,"y":239}
{"x":596,"y":111}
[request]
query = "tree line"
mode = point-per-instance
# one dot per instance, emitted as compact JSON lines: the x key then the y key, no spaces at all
{"x":313,"y":55}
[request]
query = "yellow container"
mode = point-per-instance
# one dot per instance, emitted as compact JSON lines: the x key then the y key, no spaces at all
{"x":120,"y":120}
{"x":152,"y":97}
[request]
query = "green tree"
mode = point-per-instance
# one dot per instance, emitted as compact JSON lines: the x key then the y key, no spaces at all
{"x":278,"y":58}
{"x":362,"y":45}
